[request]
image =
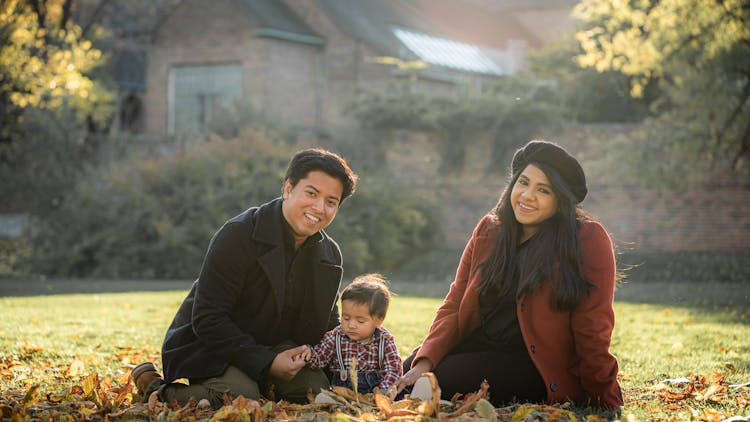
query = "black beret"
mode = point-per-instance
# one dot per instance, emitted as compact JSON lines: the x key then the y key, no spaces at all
{"x":556,"y":157}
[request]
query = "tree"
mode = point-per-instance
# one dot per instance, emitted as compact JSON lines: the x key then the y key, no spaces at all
{"x":698,"y":53}
{"x":44,"y":63}
{"x":49,"y":102}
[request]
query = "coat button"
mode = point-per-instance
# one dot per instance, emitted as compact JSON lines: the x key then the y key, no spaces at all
{"x":553,"y":387}
{"x":533,"y":349}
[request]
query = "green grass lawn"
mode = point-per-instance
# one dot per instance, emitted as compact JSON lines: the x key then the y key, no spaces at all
{"x":42,"y":336}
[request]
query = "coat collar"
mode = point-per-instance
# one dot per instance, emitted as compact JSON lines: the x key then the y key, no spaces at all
{"x":268,"y":229}
{"x":269,"y":226}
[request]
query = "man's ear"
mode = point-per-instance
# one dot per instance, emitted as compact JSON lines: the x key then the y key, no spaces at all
{"x":286,"y":190}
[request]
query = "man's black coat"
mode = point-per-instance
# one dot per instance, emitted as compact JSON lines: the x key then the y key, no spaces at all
{"x":228,"y":318}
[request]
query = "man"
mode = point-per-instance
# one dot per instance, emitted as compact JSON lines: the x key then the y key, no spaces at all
{"x":267,"y":287}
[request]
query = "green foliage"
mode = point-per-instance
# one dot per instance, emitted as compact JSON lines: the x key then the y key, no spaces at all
{"x":14,"y":257}
{"x":516,"y":110}
{"x":153,"y":218}
{"x":585,"y":94}
{"x":698,"y":52}
{"x":384,"y":226}
{"x":38,"y":174}
{"x":687,"y":266}
{"x":49,"y":103}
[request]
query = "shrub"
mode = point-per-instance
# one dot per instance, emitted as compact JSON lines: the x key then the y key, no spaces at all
{"x":14,"y":257}
{"x":154,"y":218}
{"x":686,"y":266}
{"x":383,"y":227}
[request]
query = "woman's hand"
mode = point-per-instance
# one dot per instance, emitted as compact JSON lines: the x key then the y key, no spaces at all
{"x":410,"y":377}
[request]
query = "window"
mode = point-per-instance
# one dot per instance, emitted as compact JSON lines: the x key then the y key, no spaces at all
{"x":197,"y":93}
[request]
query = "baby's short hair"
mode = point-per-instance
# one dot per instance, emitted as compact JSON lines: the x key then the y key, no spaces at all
{"x":370,"y":290}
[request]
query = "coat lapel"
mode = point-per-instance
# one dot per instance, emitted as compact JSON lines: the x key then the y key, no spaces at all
{"x":469,"y":317}
{"x":323,"y":289}
{"x":268,"y":230}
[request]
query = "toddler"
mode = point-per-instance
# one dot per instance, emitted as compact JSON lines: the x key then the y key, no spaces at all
{"x":364,"y":304}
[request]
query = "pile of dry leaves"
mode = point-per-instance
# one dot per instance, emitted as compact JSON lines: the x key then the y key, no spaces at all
{"x":105,"y":399}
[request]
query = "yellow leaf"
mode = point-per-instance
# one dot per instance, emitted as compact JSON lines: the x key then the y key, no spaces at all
{"x":76,"y":368}
{"x":353,"y":376}
{"x":485,"y":410}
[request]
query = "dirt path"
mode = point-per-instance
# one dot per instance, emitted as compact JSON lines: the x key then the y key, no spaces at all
{"x":704,"y":295}
{"x":37,"y":287}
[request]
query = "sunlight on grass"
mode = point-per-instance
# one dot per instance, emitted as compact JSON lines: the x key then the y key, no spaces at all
{"x":111,"y":332}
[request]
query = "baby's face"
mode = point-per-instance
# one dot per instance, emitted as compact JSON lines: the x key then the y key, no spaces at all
{"x":356,"y":321}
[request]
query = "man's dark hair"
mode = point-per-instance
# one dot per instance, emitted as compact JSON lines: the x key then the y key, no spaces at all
{"x":328,"y":162}
{"x":370,"y":290}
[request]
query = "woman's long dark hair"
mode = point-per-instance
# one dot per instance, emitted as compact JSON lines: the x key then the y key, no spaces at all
{"x":512,"y":270}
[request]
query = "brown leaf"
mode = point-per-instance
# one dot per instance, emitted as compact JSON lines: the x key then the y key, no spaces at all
{"x":30,"y":397}
{"x":471,"y":399}
{"x":712,"y":391}
{"x":427,"y":408}
{"x":668,"y":396}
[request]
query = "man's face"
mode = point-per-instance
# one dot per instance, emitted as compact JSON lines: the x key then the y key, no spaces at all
{"x":311,"y":204}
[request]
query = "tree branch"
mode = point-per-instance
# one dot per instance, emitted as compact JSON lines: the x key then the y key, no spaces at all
{"x":744,"y":146}
{"x":40,"y":12}
{"x":67,"y":5}
{"x":94,"y":17}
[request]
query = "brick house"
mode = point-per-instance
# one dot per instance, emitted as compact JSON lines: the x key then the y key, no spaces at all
{"x":302,"y":62}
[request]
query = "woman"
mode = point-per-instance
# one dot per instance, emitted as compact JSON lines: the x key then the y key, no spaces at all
{"x":530,"y":309}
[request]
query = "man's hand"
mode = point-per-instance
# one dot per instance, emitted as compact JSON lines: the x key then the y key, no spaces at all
{"x":288,"y":363}
{"x":306,"y":355}
{"x":410,"y":377}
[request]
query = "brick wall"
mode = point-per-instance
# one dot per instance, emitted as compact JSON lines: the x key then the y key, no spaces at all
{"x":695,"y":220}
{"x":715,"y":218}
{"x":279,"y":77}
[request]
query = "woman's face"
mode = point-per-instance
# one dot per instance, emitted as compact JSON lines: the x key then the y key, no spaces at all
{"x":532,"y":199}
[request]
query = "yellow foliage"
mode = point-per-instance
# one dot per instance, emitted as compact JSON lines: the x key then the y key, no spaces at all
{"x":644,"y":39}
{"x":47,"y":67}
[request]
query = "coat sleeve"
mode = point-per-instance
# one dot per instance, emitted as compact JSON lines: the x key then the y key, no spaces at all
{"x":223,"y":276}
{"x":443,"y":334}
{"x":594,"y":319}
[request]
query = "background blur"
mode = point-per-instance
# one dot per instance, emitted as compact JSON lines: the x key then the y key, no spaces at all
{"x":132,"y":129}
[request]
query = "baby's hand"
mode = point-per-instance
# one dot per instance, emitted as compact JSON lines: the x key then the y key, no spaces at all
{"x":305,"y":355}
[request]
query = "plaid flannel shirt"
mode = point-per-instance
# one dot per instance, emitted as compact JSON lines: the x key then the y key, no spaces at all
{"x":324,"y":355}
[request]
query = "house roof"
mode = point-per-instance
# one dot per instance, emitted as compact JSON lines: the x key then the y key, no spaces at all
{"x":401,"y":29}
{"x":533,"y":4}
{"x":448,"y":53}
{"x":492,"y":26}
{"x":277,"y":21}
